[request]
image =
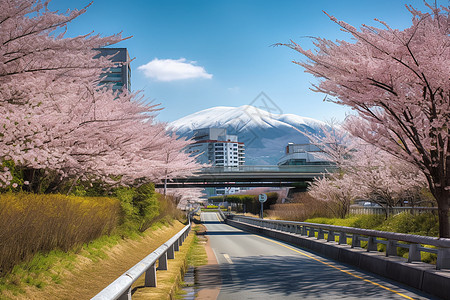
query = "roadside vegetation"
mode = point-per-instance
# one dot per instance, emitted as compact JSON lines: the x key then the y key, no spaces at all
{"x":43,"y":234}
{"x":305,"y":208}
{"x":425,"y":224}
{"x":308,"y":209}
{"x":247,"y":203}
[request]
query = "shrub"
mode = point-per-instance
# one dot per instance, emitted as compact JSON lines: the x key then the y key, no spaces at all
{"x":251,"y":203}
{"x":31,"y":223}
{"x":142,"y":206}
{"x":422,"y":224}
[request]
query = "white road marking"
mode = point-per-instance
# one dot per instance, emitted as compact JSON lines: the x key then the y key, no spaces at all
{"x":227,"y":257}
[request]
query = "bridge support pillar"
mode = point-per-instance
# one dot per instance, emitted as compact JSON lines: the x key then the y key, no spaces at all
{"x":391,"y":248}
{"x":342,"y":238}
{"x":126,"y":295}
{"x":304,"y":230}
{"x":312,"y":232}
{"x":356,"y":242}
{"x":150,"y":276}
{"x":443,"y":259}
{"x":162,"y":262}
{"x":320,"y":235}
{"x":330,"y":237}
{"x":414,"y":253}
{"x":171,"y":252}
{"x":372,"y":244}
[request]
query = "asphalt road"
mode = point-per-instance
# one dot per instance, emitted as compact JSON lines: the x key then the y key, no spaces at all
{"x":256,"y":267}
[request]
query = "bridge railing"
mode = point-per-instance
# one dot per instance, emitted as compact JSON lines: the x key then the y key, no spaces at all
{"x":121,"y":287}
{"x":415,"y":244}
{"x":269,"y":168}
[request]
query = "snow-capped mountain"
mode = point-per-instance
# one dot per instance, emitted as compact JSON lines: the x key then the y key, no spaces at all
{"x":265,"y":134}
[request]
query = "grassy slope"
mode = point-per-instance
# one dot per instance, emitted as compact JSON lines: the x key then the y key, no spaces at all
{"x":81,"y":275}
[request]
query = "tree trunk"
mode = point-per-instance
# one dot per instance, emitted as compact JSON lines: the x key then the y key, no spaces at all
{"x":443,"y":200}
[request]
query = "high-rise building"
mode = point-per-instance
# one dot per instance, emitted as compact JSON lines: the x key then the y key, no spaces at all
{"x":219,"y":149}
{"x":120,"y":75}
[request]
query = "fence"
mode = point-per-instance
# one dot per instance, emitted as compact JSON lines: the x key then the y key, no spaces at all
{"x":414,"y":243}
{"x":121,"y":287}
{"x":371,"y":210}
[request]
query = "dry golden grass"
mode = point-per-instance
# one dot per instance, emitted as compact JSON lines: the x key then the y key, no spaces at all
{"x":167,"y":281}
{"x":302,"y":208}
{"x":88,"y":277}
{"x":31,"y":223}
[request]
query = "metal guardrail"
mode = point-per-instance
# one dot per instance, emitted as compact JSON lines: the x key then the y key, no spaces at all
{"x":269,"y":168}
{"x":222,"y":215}
{"x":121,"y":287}
{"x":414,"y":243}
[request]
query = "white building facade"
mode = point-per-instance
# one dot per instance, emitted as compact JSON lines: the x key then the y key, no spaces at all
{"x":219,"y":149}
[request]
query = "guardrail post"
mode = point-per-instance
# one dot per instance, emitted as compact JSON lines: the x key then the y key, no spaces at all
{"x":391,"y":248}
{"x":356,"y":242}
{"x":304,"y":230}
{"x":414,"y":253}
{"x":311,"y":232}
{"x":297,"y":229}
{"x":443,"y":259}
{"x":330,"y":237}
{"x":181,"y":239}
{"x":176,"y":245}
{"x":372,"y":244}
{"x":320,"y":235}
{"x":171,"y":252}
{"x":126,"y":295}
{"x":162,"y":262}
{"x":342,"y":238}
{"x":150,"y":276}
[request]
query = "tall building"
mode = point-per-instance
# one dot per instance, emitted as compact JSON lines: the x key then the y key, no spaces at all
{"x":303,"y":154}
{"x":219,"y":149}
{"x":120,"y":75}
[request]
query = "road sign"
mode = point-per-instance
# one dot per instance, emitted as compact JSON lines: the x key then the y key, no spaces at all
{"x":262,"y":198}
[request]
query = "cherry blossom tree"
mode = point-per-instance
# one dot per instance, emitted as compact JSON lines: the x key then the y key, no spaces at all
{"x":337,"y":190}
{"x":383,"y":178}
{"x":398,"y":83}
{"x":57,"y":123}
{"x":39,"y":68}
{"x":365,"y":172}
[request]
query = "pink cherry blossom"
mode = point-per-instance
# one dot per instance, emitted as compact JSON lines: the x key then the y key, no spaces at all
{"x":397,"y":82}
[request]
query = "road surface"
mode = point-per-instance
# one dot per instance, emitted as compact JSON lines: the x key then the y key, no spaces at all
{"x":256,"y":267}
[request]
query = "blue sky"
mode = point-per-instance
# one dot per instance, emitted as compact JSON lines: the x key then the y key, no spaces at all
{"x":204,"y":53}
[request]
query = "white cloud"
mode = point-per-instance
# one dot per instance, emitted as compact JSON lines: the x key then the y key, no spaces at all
{"x":171,"y":69}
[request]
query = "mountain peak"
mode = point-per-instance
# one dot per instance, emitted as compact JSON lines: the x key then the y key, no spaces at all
{"x":265,"y":134}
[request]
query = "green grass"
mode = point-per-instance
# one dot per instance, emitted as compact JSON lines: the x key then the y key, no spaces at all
{"x":196,"y":257}
{"x":197,"y":254}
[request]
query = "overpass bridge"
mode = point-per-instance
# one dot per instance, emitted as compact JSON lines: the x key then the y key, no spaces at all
{"x":252,"y":176}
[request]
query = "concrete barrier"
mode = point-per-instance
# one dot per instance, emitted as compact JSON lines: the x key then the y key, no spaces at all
{"x":418,"y":275}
